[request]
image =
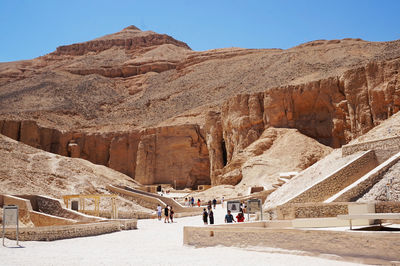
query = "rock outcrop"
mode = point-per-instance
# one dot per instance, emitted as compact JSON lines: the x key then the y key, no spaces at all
{"x":129,"y":38}
{"x":166,"y":155}
{"x":332,"y":111}
{"x":173,"y":155}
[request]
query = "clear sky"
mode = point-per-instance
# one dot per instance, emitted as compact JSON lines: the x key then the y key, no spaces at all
{"x":31,"y":28}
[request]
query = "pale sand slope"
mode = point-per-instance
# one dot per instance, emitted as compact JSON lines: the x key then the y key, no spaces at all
{"x":27,"y":170}
{"x":154,"y":243}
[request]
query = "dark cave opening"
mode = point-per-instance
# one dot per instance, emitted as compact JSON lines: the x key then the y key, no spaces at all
{"x":224,"y":154}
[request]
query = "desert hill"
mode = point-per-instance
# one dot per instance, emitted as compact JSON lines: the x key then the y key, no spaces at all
{"x":27,"y":170}
{"x":148,"y":106}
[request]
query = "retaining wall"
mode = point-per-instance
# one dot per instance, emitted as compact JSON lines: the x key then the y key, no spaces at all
{"x":41,"y":219}
{"x":49,"y":233}
{"x":53,"y":207}
{"x":337,"y":181}
{"x":310,"y":210}
{"x":384,"y":148}
{"x":362,"y":185}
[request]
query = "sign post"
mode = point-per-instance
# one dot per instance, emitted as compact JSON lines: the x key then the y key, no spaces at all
{"x":253,"y":206}
{"x":10,"y":217}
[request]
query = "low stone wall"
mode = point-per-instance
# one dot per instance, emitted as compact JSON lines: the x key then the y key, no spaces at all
{"x":384,"y":148}
{"x":23,"y":204}
{"x":53,"y":207}
{"x":387,"y":207}
{"x":50,"y":233}
{"x":310,"y":210}
{"x":372,"y":245}
{"x":337,"y":181}
{"x":324,"y":210}
{"x":41,"y":219}
{"x":125,"y":214}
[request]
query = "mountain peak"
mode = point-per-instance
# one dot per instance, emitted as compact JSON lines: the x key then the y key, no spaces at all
{"x":131,"y":27}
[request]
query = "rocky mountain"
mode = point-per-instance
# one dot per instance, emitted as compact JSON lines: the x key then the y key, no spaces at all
{"x":148,"y":106}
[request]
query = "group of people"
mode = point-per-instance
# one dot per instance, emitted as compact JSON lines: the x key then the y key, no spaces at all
{"x":189,"y":202}
{"x":208,"y":214}
{"x":229,"y":217}
{"x":168,"y":213}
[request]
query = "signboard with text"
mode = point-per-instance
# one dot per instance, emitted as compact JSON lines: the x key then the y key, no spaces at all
{"x":253,"y":205}
{"x":233,"y":206}
{"x":10,"y":217}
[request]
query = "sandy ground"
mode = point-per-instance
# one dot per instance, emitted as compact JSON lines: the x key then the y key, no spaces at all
{"x":154,"y":243}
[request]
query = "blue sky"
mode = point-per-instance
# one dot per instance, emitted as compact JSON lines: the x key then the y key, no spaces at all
{"x":30,"y":28}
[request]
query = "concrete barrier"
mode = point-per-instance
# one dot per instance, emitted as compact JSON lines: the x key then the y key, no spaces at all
{"x":368,"y":245}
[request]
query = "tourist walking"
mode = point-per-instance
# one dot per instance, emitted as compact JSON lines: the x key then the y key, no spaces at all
{"x":198,"y":202}
{"x":209,"y":206}
{"x":229,"y":217}
{"x":240,"y":217}
{"x":171,"y":214}
{"x":222,"y":202}
{"x":211,"y":216}
{"x":166,"y":214}
{"x":159,"y":209}
{"x":205,"y":216}
{"x":214,"y":203}
{"x":192,"y":201}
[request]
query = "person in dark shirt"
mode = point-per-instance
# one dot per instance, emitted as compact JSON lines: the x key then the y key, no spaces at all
{"x":166,"y":214}
{"x":171,"y":214}
{"x":214,"y":203}
{"x":211,"y":216}
{"x":229,"y":217}
{"x":205,"y":216}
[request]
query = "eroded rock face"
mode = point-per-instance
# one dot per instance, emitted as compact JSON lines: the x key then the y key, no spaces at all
{"x":153,"y":156}
{"x":115,"y":150}
{"x":277,"y":150}
{"x":178,"y":154}
{"x":332,"y":111}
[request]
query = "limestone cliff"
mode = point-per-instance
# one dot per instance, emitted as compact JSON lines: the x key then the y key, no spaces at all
{"x":332,"y":111}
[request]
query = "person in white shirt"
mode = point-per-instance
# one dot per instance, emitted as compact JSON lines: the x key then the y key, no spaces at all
{"x":159,"y":209}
